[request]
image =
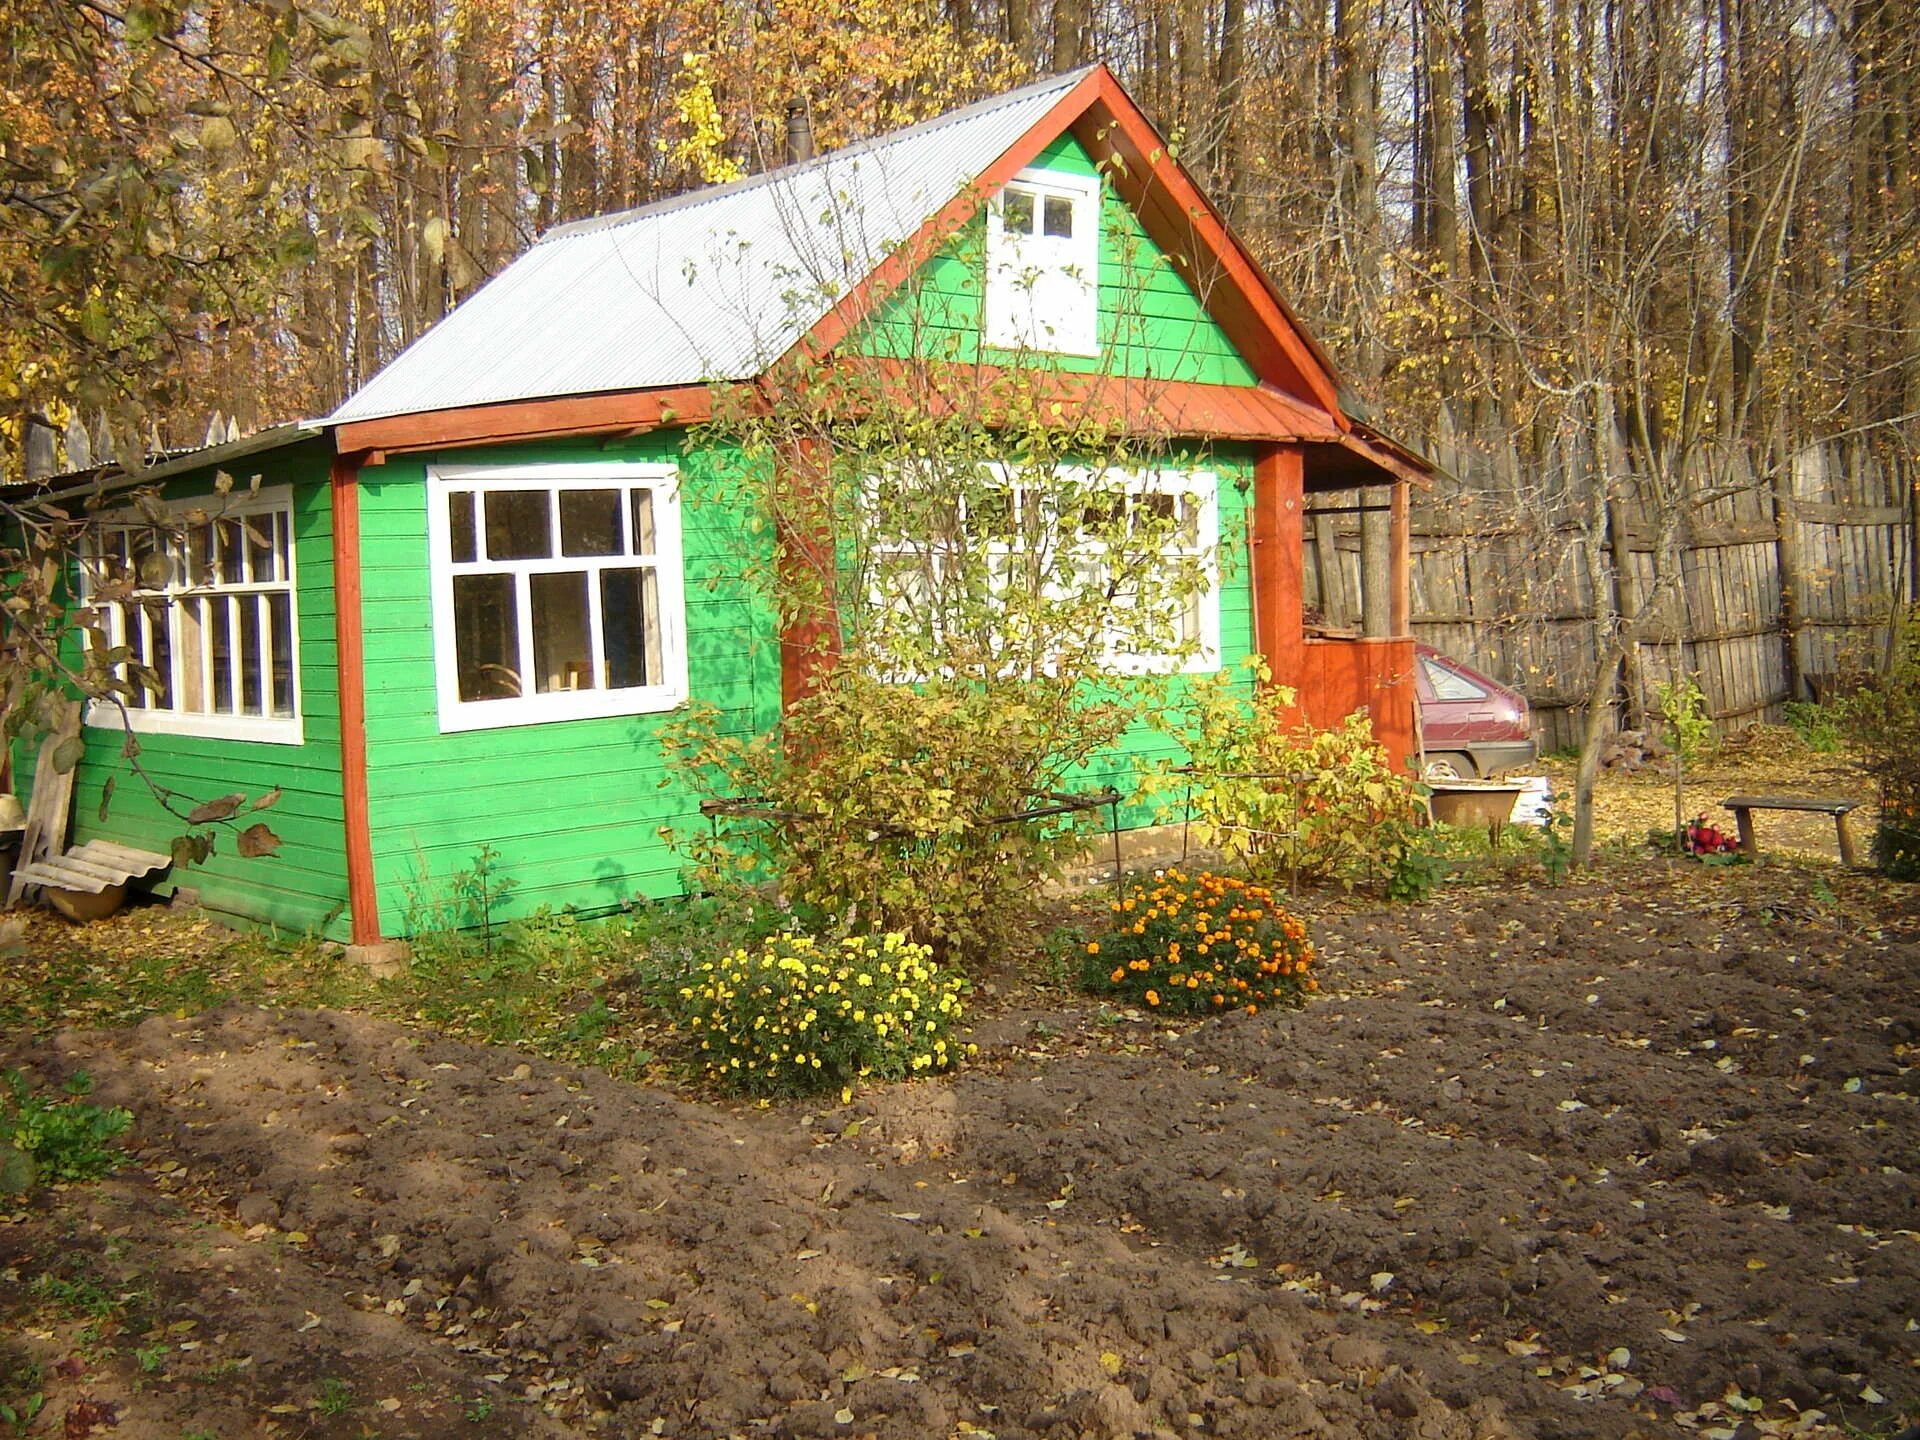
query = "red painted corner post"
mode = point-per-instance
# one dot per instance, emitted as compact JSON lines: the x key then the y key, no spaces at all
{"x":362,"y":902}
{"x":810,"y":636}
{"x":1278,"y":500}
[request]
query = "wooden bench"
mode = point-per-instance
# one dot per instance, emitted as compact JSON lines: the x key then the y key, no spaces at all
{"x":1743,"y":807}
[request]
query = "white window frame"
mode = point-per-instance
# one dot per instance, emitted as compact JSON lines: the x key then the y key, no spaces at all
{"x":557,"y":705}
{"x":1202,"y":486}
{"x":1043,"y":293}
{"x":150,"y":719}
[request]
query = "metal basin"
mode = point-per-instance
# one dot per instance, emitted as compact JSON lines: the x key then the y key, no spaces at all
{"x":1470,"y":802}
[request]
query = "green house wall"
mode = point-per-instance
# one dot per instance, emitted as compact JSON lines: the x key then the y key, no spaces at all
{"x":572,"y":808}
{"x":1152,"y":323}
{"x":303,"y":887}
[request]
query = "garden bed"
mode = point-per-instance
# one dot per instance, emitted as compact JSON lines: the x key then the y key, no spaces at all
{"x":1541,"y":1161}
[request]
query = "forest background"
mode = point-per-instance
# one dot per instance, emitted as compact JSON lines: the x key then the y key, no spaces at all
{"x":1630,"y":269}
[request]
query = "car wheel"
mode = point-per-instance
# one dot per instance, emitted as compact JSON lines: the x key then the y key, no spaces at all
{"x":1448,"y":766}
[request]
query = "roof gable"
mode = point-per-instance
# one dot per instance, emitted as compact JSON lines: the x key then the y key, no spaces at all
{"x":1152,"y":325}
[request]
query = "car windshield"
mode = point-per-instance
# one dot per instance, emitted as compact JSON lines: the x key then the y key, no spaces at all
{"x":1450,"y":684}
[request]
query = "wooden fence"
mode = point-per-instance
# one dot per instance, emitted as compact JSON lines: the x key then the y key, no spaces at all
{"x":1781,"y":587}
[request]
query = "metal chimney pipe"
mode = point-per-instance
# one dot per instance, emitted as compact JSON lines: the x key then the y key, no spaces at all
{"x":799,"y":132}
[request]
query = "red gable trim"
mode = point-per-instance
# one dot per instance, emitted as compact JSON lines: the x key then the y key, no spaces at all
{"x":1182,"y":220}
{"x":1103,"y":117}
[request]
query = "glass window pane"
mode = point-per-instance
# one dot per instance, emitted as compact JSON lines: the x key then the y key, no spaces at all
{"x":1153,"y":512}
{"x":518,"y":525}
{"x":135,"y":638}
{"x":1450,"y":684}
{"x":644,"y":538}
{"x":250,"y":656}
{"x":152,"y":560}
{"x":486,"y":636}
{"x":280,"y":616}
{"x":260,"y":549}
{"x":562,"y":633}
{"x":589,"y":522}
{"x":162,"y":657}
{"x":1059,"y":216}
{"x":220,"y":645}
{"x":233,"y":551}
{"x":991,"y":515}
{"x":200,"y":555}
{"x":460,"y":526}
{"x":630,"y":621}
{"x":1016,"y":212}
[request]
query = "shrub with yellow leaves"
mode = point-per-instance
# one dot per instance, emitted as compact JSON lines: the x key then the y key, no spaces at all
{"x":798,"y":1014}
{"x":1202,"y":943}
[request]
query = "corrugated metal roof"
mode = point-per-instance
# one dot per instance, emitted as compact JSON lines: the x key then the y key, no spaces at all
{"x":713,"y":285}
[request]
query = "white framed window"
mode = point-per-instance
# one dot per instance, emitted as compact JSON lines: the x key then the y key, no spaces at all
{"x":1043,"y":264}
{"x":556,"y":592}
{"x":1180,"y":510}
{"x":204,"y":599}
{"x":1069,"y":532}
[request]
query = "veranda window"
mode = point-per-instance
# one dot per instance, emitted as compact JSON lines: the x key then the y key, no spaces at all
{"x":557,"y":593}
{"x":204,"y":599}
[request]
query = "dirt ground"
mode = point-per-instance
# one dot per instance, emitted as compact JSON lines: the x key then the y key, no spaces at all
{"x":1633,"y":1156}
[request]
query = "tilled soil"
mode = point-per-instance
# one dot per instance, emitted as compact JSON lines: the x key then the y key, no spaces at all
{"x":1574,"y":1162}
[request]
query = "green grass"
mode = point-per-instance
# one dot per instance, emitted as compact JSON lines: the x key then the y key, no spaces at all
{"x":335,"y":1397}
{"x":565,"y":988}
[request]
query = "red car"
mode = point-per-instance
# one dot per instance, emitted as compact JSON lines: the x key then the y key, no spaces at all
{"x":1471,"y":726}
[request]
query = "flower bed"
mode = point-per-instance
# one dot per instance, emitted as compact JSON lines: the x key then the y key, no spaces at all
{"x":1202,"y":943}
{"x":798,"y":1014}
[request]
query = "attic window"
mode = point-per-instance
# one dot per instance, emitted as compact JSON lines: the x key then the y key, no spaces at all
{"x":1043,"y":259}
{"x":556,"y":593}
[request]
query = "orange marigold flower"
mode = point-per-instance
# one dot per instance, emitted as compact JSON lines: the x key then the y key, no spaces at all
{"x":1253,"y":1009}
{"x":1219,"y":999}
{"x":1119,"y":974}
{"x":1153,"y":997}
{"x":1093,"y":947}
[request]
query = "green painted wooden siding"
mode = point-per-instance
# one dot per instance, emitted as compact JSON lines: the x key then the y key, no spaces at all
{"x":304,"y":886}
{"x":1152,"y":324}
{"x":572,"y":807}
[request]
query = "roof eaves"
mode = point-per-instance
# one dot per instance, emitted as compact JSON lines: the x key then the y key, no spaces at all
{"x":110,"y":478}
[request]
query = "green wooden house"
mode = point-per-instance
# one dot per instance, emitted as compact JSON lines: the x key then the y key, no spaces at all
{"x":457,"y":611}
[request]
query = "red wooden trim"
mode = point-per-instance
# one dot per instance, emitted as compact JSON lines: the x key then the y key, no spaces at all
{"x":810,"y":639}
{"x":631,"y":411}
{"x":1174,"y":408}
{"x":1277,"y":559}
{"x":362,"y":899}
{"x":893,"y":272}
{"x":1166,"y":198}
